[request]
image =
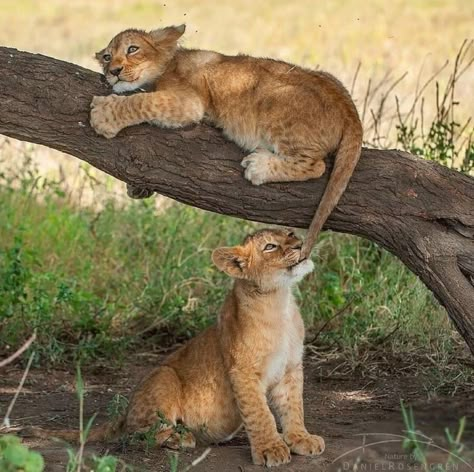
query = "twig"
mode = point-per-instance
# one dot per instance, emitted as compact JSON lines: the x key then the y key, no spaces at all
{"x":340,"y":312}
{"x":419,"y":92}
{"x":82,"y":436}
{"x":354,"y":79}
{"x":18,"y":353}
{"x":6,"y":419}
{"x":382,"y":341}
{"x":195,"y":462}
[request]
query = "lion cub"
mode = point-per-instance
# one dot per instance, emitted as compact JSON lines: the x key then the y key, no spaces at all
{"x":230,"y":374}
{"x":286,"y":117}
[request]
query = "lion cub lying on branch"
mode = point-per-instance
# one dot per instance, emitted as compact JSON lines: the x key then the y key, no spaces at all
{"x":228,"y":375}
{"x":288,"y":118}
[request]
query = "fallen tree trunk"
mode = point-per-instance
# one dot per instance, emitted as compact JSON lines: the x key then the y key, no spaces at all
{"x":418,"y":210}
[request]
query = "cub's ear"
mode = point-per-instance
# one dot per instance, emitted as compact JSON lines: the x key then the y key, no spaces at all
{"x":231,"y":260}
{"x":98,"y":55}
{"x":170,"y":34}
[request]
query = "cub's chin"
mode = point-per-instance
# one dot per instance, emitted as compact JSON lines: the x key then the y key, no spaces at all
{"x":121,"y":86}
{"x":300,"y":269}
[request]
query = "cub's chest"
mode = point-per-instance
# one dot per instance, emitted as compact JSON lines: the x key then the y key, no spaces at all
{"x":286,"y":352}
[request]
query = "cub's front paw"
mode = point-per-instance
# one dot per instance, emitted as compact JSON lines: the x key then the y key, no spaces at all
{"x":258,"y":167}
{"x":104,"y":115}
{"x":305,"y":444}
{"x":276,"y":453}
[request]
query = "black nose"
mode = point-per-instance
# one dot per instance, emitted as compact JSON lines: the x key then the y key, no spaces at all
{"x":116,"y":71}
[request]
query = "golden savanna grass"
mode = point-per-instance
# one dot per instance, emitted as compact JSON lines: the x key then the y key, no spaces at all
{"x":414,"y":37}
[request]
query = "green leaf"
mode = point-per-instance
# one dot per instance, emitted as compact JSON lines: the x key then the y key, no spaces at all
{"x":106,"y":464}
{"x":79,"y":383}
{"x":8,"y":439}
{"x":16,"y":454}
{"x":34,"y":462}
{"x":89,"y":426}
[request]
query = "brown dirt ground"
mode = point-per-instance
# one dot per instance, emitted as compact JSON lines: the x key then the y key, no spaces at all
{"x":352,"y":411}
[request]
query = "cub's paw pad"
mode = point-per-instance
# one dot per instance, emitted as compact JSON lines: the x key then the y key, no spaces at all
{"x":138,"y":192}
{"x":257,"y":167}
{"x":272,"y":455}
{"x":305,"y":444}
{"x":102,"y":116}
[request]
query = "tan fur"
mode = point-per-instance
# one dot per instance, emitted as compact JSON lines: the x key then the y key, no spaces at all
{"x":287,"y":117}
{"x":230,"y":374}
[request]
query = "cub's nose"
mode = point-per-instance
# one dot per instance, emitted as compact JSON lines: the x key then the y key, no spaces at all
{"x":116,"y":71}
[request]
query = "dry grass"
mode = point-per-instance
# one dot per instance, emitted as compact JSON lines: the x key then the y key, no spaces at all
{"x":380,"y":40}
{"x":383,"y":36}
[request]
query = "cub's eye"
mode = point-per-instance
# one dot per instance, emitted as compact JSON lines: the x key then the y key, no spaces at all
{"x":291,"y":234}
{"x":106,"y":57}
{"x":132,"y":49}
{"x":270,"y":247}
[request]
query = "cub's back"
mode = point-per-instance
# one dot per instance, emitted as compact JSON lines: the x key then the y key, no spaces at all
{"x":251,"y":97}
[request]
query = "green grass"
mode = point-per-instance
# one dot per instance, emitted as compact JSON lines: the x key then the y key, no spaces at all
{"x":419,"y":445}
{"x":94,"y":284}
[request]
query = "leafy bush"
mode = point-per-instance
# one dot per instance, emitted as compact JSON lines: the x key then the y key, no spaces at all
{"x":15,"y":457}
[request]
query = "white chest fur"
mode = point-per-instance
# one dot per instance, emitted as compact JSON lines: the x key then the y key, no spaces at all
{"x":287,"y":349}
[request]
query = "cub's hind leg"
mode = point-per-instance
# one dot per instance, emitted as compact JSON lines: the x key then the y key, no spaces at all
{"x":157,"y":402}
{"x":287,"y":398}
{"x":263,"y":166}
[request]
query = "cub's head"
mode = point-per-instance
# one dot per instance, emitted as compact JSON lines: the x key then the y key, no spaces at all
{"x":135,"y":58}
{"x":269,"y":258}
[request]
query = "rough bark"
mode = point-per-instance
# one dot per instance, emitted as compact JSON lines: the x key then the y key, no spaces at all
{"x":418,"y":210}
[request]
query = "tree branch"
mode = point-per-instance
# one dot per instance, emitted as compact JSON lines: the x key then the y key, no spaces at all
{"x":420,"y":211}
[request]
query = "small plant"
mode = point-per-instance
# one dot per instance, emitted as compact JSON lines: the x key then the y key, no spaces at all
{"x":415,"y":442}
{"x":76,"y":460}
{"x":418,"y":444}
{"x":444,"y":139}
{"x":456,"y":447}
{"x":15,"y":457}
{"x":117,"y":407}
{"x":107,"y":464}
{"x":173,"y":458}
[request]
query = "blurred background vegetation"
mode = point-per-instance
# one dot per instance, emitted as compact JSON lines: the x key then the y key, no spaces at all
{"x":98,"y":276}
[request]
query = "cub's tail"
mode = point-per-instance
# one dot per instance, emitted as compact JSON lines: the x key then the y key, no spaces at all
{"x":104,"y":432}
{"x":346,"y":160}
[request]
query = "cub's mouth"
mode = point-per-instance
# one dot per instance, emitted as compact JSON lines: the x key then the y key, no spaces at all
{"x":297,"y":263}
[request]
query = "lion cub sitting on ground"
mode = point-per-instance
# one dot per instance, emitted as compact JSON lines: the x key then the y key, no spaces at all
{"x":228,"y":375}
